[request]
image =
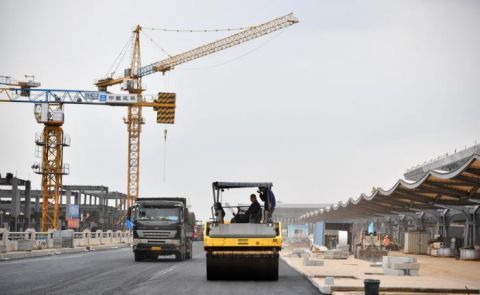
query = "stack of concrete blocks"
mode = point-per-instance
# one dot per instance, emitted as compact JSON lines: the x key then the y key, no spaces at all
{"x":298,"y":252}
{"x":400,"y":266}
{"x":470,"y":254}
{"x":309,"y":260}
{"x":336,"y":254}
{"x":440,"y":249}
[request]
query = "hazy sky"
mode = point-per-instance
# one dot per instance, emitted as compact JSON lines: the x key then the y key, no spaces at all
{"x":347,"y":99}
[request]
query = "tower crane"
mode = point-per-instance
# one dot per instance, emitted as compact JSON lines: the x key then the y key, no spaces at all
{"x":49,"y":110}
{"x":132,"y":82}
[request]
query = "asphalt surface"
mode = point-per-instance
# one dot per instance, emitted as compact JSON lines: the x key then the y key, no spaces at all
{"x":115,"y":272}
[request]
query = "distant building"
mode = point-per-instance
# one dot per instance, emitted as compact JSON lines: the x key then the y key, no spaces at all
{"x":289,"y":213}
{"x":96,"y":207}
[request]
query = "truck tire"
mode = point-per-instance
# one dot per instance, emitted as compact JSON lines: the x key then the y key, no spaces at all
{"x":190,"y":250}
{"x":138,"y":256}
{"x":180,"y":256}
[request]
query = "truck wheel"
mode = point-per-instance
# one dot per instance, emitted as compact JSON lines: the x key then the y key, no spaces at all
{"x":180,"y":256}
{"x":138,"y":256}
{"x":190,"y":251}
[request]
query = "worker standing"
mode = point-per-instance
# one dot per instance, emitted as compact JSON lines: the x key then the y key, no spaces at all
{"x":387,"y":242}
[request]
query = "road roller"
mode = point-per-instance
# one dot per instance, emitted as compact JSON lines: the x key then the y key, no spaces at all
{"x":247,"y":246}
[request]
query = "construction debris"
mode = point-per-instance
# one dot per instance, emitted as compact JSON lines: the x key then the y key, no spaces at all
{"x":400,"y":266}
{"x":318,"y":249}
{"x":308,"y":260}
{"x":336,"y":254}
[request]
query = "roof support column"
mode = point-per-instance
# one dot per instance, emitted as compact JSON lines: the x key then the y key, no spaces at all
{"x":443,"y":223}
{"x":402,"y":228}
{"x":388,"y":226}
{"x":420,"y":221}
{"x":77,"y":198}
{"x":471,"y":224}
{"x":476,"y":225}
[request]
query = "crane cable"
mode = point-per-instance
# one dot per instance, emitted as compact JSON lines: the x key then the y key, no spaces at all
{"x":120,"y":57}
{"x":237,"y":57}
{"x":156,"y":44}
{"x":164,"y":155}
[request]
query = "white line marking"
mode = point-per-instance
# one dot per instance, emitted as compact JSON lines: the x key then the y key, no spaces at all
{"x":162,"y":272}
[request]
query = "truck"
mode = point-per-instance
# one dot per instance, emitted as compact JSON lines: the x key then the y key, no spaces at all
{"x":161,"y":226}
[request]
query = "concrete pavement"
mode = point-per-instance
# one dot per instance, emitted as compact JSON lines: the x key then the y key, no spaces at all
{"x":115,"y":272}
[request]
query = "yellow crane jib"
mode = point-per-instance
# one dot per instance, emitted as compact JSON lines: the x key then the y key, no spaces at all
{"x":169,"y":63}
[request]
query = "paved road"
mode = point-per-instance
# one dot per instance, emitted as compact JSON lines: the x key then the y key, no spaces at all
{"x":115,"y":272}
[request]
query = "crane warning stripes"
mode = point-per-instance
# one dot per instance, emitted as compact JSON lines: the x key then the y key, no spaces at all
{"x":165,"y":114}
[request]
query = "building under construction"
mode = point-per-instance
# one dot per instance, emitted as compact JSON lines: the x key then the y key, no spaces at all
{"x":87,"y":206}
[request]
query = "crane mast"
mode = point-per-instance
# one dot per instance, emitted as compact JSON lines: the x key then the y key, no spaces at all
{"x":134,"y":122}
{"x":133,"y":76}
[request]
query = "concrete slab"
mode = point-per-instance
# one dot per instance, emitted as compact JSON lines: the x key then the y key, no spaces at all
{"x":308,"y":261}
{"x":393,"y":272}
{"x":412,"y":265}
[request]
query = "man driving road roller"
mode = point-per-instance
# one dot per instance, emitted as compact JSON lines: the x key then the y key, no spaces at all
{"x":251,"y":213}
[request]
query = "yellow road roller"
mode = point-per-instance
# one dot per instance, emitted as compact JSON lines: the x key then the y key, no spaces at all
{"x":246,"y":247}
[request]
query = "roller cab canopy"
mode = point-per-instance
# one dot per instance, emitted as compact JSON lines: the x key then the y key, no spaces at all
{"x":229,"y":185}
{"x":219,"y":186}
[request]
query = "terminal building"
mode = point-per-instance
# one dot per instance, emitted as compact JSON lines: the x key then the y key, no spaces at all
{"x":439,"y":200}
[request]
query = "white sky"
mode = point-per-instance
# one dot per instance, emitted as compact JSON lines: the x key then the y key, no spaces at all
{"x":347,"y":99}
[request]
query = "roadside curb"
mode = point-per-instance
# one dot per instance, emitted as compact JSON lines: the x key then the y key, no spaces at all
{"x":60,"y":251}
{"x":321,"y":289}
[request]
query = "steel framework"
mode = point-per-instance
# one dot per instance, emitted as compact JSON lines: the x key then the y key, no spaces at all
{"x":134,"y":123}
